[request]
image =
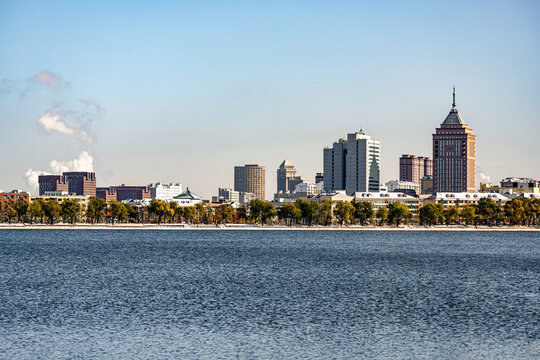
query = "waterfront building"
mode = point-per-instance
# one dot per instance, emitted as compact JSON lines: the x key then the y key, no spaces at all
{"x":383,"y":199}
{"x":251,"y":179}
{"x":60,"y":196}
{"x":106,"y":193}
{"x":413,"y":168}
{"x":187,"y":198}
{"x":353,"y":164}
{"x":52,"y":183}
{"x":13,"y":196}
{"x":449,"y":199}
{"x":131,"y":192}
{"x":426,"y":185}
{"x":81,"y":182}
{"x":363,"y":163}
{"x":334,"y":163}
{"x":454,"y":154}
{"x":520,"y":185}
{"x":285,"y":171}
{"x":164,"y":191}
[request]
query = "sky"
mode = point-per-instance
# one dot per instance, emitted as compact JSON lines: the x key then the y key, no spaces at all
{"x":172,"y":91}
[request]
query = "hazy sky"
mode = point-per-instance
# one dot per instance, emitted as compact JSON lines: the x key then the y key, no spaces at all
{"x":183,"y":91}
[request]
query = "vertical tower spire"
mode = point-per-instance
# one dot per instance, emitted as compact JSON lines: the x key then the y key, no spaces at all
{"x":454,"y":98}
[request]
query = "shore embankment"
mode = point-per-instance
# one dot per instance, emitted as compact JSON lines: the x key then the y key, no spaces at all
{"x":252,"y":227}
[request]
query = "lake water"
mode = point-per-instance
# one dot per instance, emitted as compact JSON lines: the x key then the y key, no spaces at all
{"x":269,"y":294}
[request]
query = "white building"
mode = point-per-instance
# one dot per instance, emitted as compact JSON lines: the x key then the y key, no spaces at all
{"x":363,"y":163}
{"x":164,"y":191}
{"x":187,"y":198}
{"x":305,"y":188}
{"x":394,"y":185}
{"x":463,"y":198}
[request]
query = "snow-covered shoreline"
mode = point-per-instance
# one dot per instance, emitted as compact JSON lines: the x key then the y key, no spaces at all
{"x":260,"y":227}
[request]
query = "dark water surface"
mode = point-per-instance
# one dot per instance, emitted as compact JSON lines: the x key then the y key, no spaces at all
{"x":269,"y":294}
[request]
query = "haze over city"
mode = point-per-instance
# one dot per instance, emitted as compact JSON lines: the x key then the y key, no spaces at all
{"x":173,"y":92}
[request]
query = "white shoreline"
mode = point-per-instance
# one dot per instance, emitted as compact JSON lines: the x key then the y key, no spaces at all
{"x":260,"y":227}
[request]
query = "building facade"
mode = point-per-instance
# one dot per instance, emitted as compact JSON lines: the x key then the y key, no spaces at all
{"x":227,"y":195}
{"x":363,"y":163}
{"x":334,"y":164}
{"x":52,"y":183}
{"x":81,"y":183}
{"x":319,"y":177}
{"x":520,"y":185}
{"x":13,"y":196}
{"x":251,"y":179}
{"x":165,"y":191}
{"x":106,"y":193}
{"x":131,"y":192}
{"x":285,"y":171}
{"x":413,"y":168}
{"x":454,"y":159}
{"x":396,"y":185}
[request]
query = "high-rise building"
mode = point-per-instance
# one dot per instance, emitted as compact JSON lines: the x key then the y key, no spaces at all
{"x":52,"y":183}
{"x":353,"y":164}
{"x":363,"y":163}
{"x":413,"y":169}
{"x":285,"y":171}
{"x":334,"y":163}
{"x":81,"y":182}
{"x":454,"y":154}
{"x":252,"y":179}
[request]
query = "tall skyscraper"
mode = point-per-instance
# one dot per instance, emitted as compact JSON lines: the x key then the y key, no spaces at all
{"x":334,"y":162}
{"x":285,"y":171}
{"x":353,"y":164}
{"x":454,"y":154}
{"x":251,"y":179}
{"x":363,"y":163}
{"x":413,"y":169}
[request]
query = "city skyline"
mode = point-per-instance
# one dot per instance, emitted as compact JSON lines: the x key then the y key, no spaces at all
{"x":147,"y":102}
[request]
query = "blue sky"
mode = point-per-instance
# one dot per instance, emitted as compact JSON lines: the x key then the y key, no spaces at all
{"x":183,"y":91}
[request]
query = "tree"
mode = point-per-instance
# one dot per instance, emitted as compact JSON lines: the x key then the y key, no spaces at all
{"x":51,"y":210}
{"x":289,"y":212}
{"x":308,"y":210}
{"x":226,"y":213}
{"x":325,"y":213}
{"x":487,"y":209}
{"x":344,"y":211}
{"x":160,"y":209}
{"x":189,"y":214}
{"x":242,"y":213}
{"x":118,"y":211}
{"x":95,"y":209}
{"x":200,"y":211}
{"x":179,"y":212}
{"x":255,"y":209}
{"x":468,"y":214}
{"x":382,"y":214}
{"x":515,"y":211}
{"x":35,"y":210}
{"x":363,"y":211}
{"x":70,"y":209}
{"x":21,"y":207}
{"x":452,"y":215}
{"x":431,"y":214}
{"x":398,"y":212}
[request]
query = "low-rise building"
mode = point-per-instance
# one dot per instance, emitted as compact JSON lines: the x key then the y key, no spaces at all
{"x":61,"y":196}
{"x":489,"y":188}
{"x":226,"y":195}
{"x":14,"y":196}
{"x":383,"y":199}
{"x":52,"y":183}
{"x":131,"y":192}
{"x":426,"y":185}
{"x":463,"y":198}
{"x":165,"y":191}
{"x":106,"y":193}
{"x":187,"y":198}
{"x":396,"y":185}
{"x":515,"y":185}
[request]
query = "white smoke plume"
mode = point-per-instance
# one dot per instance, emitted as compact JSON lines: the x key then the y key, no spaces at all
{"x":53,"y":122}
{"x":484,"y":178}
{"x":84,"y":162}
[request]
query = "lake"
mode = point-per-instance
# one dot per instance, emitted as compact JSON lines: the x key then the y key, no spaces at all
{"x":269,"y":294}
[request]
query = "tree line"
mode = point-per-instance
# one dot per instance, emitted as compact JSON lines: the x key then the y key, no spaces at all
{"x":524,"y":212}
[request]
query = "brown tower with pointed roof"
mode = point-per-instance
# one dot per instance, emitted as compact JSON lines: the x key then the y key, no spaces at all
{"x":454,"y":159}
